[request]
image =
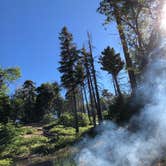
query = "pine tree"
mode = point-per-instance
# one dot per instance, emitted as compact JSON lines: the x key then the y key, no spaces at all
{"x":69,"y":57}
{"x":112,"y":9}
{"x":28,"y":94}
{"x":112,"y":63}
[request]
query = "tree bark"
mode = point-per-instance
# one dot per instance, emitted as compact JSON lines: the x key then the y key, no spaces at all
{"x":92,"y":103}
{"x":116,"y":93}
{"x":117,"y":86}
{"x":75,"y":112}
{"x":86,"y":100}
{"x":99,"y":113}
{"x":91,"y":91}
{"x":82,"y":100}
{"x":125,"y":49}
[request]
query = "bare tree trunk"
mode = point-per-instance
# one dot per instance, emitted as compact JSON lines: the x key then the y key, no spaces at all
{"x":91,"y":90}
{"x":116,"y":93}
{"x":117,"y":86}
{"x":125,"y":49}
{"x":92,"y":103}
{"x":75,"y":112}
{"x":82,"y":100}
{"x":99,"y":113}
{"x":86,"y":100}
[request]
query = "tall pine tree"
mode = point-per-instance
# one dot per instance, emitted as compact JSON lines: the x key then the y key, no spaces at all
{"x":112,"y":63}
{"x":69,"y":57}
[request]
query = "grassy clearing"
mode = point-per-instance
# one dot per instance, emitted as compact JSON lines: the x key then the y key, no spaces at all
{"x":22,"y":142}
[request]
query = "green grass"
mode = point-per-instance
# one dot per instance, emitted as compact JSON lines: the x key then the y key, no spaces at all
{"x":6,"y":162}
{"x":21,"y":142}
{"x":61,"y":130}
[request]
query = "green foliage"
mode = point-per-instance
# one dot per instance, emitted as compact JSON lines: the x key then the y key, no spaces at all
{"x":21,"y":142}
{"x":15,"y":141}
{"x":27,"y":130}
{"x":5,"y":109}
{"x":122,"y":111}
{"x":111,"y":62}
{"x":61,"y":130}
{"x":68,"y":120}
{"x":8,"y":76}
{"x":69,"y":68}
{"x":44,"y":149}
{"x":47,"y":99}
{"x":83,"y":119}
{"x":51,"y":124}
{"x":69,"y":56}
{"x":6,"y":162}
{"x":105,"y":115}
{"x":47,"y":118}
{"x":7,"y":133}
{"x":27,"y":98}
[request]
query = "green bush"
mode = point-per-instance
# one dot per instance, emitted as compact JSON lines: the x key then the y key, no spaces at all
{"x":7,"y":133}
{"x":83,"y":119}
{"x":121,"y":110}
{"x":106,"y":115}
{"x":6,"y":162}
{"x":48,"y":118}
{"x":68,"y":120}
{"x":27,"y":130}
{"x":61,"y":130}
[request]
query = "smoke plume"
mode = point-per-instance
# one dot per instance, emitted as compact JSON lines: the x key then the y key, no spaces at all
{"x":117,"y":146}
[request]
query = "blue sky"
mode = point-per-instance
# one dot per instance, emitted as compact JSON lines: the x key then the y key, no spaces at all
{"x":29,"y":31}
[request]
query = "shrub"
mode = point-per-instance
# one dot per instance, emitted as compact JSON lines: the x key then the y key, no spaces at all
{"x":61,"y":130}
{"x":6,"y":162}
{"x":67,"y":120}
{"x":27,"y":130}
{"x":7,"y":133}
{"x":48,"y":118}
{"x":121,"y":110}
{"x":83,"y":119}
{"x":106,"y":115}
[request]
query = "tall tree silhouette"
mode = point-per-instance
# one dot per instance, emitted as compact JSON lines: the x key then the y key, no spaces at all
{"x":28,"y":94}
{"x":48,"y":96}
{"x":93,"y":71}
{"x":93,"y":102}
{"x":112,"y":63}
{"x":112,"y":10}
{"x":69,"y":57}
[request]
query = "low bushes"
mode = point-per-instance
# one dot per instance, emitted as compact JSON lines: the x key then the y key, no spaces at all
{"x":121,"y":110}
{"x":68,"y":120}
{"x":6,"y":162}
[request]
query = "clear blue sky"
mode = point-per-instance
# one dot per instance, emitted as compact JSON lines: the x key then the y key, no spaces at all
{"x":29,"y":32}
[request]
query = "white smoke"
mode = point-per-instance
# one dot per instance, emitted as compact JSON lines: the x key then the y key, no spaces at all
{"x":116,"y":146}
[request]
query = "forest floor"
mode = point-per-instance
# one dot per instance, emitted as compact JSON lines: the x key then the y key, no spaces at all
{"x":24,"y":145}
{"x":38,"y":130}
{"x":42,"y":145}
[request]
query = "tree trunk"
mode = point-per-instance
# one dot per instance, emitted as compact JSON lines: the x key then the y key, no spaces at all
{"x":82,"y":100}
{"x":87,"y":107}
{"x":92,"y":103}
{"x":125,"y":49}
{"x":99,"y":113}
{"x":117,"y":86}
{"x":91,"y":91}
{"x":116,"y":93}
{"x":75,"y":112}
